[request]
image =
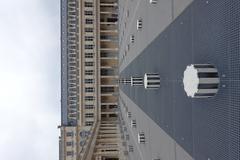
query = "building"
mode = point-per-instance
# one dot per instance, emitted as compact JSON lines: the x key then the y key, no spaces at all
{"x":150,"y":80}
{"x":90,"y":125}
{"x":164,"y":40}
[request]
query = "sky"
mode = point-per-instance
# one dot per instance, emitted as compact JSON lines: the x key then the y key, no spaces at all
{"x":29,"y":79}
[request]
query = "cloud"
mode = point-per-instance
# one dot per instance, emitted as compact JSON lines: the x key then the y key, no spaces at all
{"x":30,"y":79}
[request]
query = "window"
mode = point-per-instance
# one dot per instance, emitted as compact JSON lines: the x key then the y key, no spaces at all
{"x":72,"y":55}
{"x":89,"y":106}
{"x":89,"y":46}
{"x":88,"y":72}
{"x":69,"y":153}
{"x":72,"y":81}
{"x":69,"y":134}
{"x":107,"y":89}
{"x":112,"y":115}
{"x":103,"y":115}
{"x":88,"y":64}
{"x":89,"y":81}
{"x":89,"y":55}
{"x":72,"y":111}
{"x":89,"y":21}
{"x":103,"y":107}
{"x":88,"y":123}
{"x":88,"y":4}
{"x":112,"y":106}
{"x":88,"y":13}
{"x":89,"y":98}
{"x":69,"y":144}
{"x":112,"y":19}
{"x":89,"y":115}
{"x":87,"y":29}
{"x":88,"y":38}
{"x":89,"y":89}
{"x":71,"y":85}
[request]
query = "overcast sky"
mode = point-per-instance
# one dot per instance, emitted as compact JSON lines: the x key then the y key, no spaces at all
{"x":29,"y":79}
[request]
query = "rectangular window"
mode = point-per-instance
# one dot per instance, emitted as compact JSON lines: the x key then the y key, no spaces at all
{"x":69,"y":153}
{"x":89,"y":21}
{"x":69,"y":134}
{"x":69,"y":143}
{"x":89,"y":72}
{"x":88,"y":4}
{"x":103,"y":115}
{"x":88,"y":123}
{"x":88,"y":38}
{"x":89,"y":64}
{"x":89,"y":115}
{"x":89,"y":81}
{"x":107,"y":89}
{"x":89,"y":89}
{"x":89,"y":98}
{"x":73,"y":98}
{"x":87,"y":29}
{"x":112,"y":115}
{"x":72,"y":55}
{"x":89,"y":46}
{"x":89,"y":55}
{"x":88,"y":13}
{"x":89,"y":106}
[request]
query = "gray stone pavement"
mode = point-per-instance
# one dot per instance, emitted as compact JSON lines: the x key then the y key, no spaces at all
{"x":158,"y":143}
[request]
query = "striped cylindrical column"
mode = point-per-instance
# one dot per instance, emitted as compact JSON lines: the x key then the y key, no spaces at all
{"x":136,"y":81}
{"x":151,"y":81}
{"x":127,"y":81}
{"x":124,"y":81}
{"x":201,"y":80}
{"x":120,"y":81}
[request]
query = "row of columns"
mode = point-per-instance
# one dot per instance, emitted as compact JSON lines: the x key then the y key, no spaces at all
{"x":109,"y":141}
{"x":199,"y":80}
{"x":149,"y":81}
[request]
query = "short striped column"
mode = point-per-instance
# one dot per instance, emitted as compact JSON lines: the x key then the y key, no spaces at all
{"x":201,"y":80}
{"x":120,"y":81}
{"x":136,"y":81}
{"x":123,"y":81}
{"x":141,"y":138}
{"x":151,"y":81}
{"x":127,"y":81}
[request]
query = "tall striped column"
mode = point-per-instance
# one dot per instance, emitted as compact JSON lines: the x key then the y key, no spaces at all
{"x":151,"y":81}
{"x":201,"y":80}
{"x":136,"y":81}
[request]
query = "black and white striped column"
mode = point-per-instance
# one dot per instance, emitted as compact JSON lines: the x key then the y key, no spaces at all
{"x":201,"y":80}
{"x":127,"y":81}
{"x":136,"y":81}
{"x":141,"y":138}
{"x":121,"y":81}
{"x":151,"y":81}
